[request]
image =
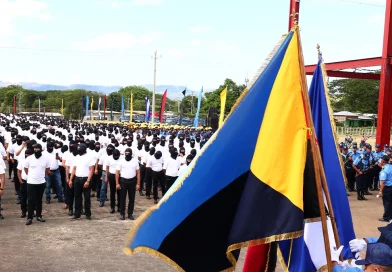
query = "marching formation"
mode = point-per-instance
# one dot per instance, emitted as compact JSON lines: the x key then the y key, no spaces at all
{"x":80,"y":161}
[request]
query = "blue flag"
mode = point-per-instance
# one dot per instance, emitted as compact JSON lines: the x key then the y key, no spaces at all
{"x":196,"y":121}
{"x":304,"y":247}
{"x":147,"y":118}
{"x":122,"y":107}
{"x":87,"y":104}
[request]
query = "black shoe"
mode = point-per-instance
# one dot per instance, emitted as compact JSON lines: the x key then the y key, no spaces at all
{"x":122,"y":217}
{"x":382,"y":219}
{"x":60,"y":200}
{"x":76,"y":218}
{"x":112,"y":211}
{"x":148,"y":197}
{"x":88,"y":217}
{"x":55,"y":197}
{"x":141,"y":193}
{"x":40,"y":219}
{"x":131,"y":217}
{"x":48,"y":201}
{"x":367,"y":193}
{"x":70,"y":213}
{"x":23,"y":215}
{"x":1,"y":216}
{"x":350,"y":190}
{"x":359,"y":198}
{"x":364,"y":198}
{"x":371,"y":189}
{"x":101,"y":204}
{"x":155,"y":201}
{"x":29,"y":222}
{"x":18,"y":201}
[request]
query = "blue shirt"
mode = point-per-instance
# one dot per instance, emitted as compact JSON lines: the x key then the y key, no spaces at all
{"x":366,"y":160}
{"x":349,"y":269}
{"x":386,"y":174}
{"x":377,"y":155}
{"x":355,"y":155}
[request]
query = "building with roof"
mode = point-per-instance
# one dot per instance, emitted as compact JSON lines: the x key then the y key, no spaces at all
{"x":349,"y":119}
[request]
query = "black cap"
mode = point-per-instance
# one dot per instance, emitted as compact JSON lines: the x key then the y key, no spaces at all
{"x":377,"y":253}
{"x":385,"y":158}
{"x":377,"y":146}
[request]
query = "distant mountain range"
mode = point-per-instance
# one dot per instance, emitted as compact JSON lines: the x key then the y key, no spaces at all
{"x":174,"y":91}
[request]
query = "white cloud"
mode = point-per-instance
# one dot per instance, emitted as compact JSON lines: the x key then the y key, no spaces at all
{"x":122,"y":40}
{"x":12,"y":10}
{"x":176,"y":53}
{"x":196,"y":42}
{"x":378,"y":19}
{"x":31,"y":40}
{"x":200,"y":28}
{"x":222,"y":47}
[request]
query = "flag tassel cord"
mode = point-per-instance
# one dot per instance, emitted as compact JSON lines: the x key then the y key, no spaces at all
{"x":319,"y":169}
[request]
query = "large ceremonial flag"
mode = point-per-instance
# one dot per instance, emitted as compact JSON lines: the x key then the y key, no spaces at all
{"x":162,"y":111}
{"x":147,"y":101}
{"x":91,"y":108}
{"x":239,"y":191}
{"x":122,"y":107}
{"x":182,"y":106}
{"x":196,"y":121}
{"x":223,"y":95}
{"x":131,"y":109}
{"x":99,"y":108}
{"x":307,"y":255}
{"x":87,"y":104}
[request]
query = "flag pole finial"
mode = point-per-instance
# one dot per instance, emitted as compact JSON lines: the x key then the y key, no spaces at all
{"x":294,"y":15}
{"x":319,"y":51}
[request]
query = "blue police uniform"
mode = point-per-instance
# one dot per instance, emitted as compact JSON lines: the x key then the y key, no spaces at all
{"x":355,"y":154}
{"x":363,"y":165}
{"x":386,"y":175}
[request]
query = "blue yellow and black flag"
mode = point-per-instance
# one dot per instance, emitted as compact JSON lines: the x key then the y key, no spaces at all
{"x":239,"y":190}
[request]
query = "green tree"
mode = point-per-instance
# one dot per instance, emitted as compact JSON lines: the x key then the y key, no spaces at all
{"x":354,"y":95}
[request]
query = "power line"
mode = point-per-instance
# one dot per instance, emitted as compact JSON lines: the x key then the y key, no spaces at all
{"x":362,"y":3}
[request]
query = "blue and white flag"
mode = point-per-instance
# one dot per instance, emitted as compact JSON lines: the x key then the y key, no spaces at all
{"x":99,"y":108}
{"x":122,"y":107}
{"x":147,"y":100}
{"x":196,"y":121}
{"x":87,"y":104}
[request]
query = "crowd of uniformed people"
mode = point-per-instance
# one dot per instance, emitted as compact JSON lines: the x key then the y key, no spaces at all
{"x":76,"y":162}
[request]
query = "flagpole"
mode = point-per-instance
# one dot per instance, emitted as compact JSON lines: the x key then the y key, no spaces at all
{"x":318,"y":165}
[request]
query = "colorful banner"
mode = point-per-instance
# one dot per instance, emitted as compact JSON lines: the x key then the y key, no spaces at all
{"x":104,"y":107}
{"x":163,"y":102}
{"x":147,"y":118}
{"x":62,"y":106}
{"x":182,"y":106}
{"x":122,"y":107}
{"x":87,"y":105}
{"x":99,"y":108}
{"x":223,"y":105}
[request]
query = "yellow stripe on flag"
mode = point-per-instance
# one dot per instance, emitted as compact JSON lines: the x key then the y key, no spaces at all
{"x":280,"y":153}
{"x":223,"y":95}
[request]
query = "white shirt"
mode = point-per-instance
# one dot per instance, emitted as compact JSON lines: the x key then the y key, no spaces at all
{"x":13,"y":148}
{"x":21,"y":165}
{"x":113,"y":165}
{"x":2,"y":171}
{"x":54,"y":164}
{"x":83,"y":164}
{"x":182,"y":170}
{"x":104,"y":161}
{"x":36,"y":168}
{"x":154,"y":164}
{"x":128,"y":168}
{"x":172,"y":165}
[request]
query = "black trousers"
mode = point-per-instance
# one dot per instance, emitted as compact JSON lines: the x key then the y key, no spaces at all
{"x":113,"y":192}
{"x":169,"y":182}
{"x":35,"y":193}
{"x":10,"y":168}
{"x":362,"y":182}
{"x":96,"y":181}
{"x":350,"y":180}
{"x":387,"y":202}
{"x":69,"y":195}
{"x":62,"y":175}
{"x":80,"y":193}
{"x":158,"y":177}
{"x":128,"y":186}
{"x":142,"y":175}
{"x":23,"y":196}
{"x":148,"y":181}
{"x":16,"y":180}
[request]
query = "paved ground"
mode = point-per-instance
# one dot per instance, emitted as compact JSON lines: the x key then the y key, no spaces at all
{"x":64,"y":245}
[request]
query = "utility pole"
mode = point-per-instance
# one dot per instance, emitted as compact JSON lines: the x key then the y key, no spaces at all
{"x":153,"y":91}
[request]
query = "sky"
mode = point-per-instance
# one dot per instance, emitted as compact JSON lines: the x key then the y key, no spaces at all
{"x":198,"y":43}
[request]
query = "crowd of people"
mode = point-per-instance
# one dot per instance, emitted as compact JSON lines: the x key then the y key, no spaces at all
{"x":369,"y":170}
{"x":80,"y":161}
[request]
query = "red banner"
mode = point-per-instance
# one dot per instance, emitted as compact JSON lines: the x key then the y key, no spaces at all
{"x":14,"y":104}
{"x":162,"y":107}
{"x":104,"y":107}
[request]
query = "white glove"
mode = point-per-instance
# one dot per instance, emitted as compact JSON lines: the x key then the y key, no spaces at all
{"x":357,"y":245}
{"x":354,"y":265}
{"x":335,"y":254}
{"x":344,"y":265}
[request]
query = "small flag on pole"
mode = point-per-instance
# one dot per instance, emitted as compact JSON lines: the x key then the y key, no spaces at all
{"x":99,"y":108}
{"x":163,"y":102}
{"x":223,"y":105}
{"x":196,"y":121}
{"x":147,"y":101}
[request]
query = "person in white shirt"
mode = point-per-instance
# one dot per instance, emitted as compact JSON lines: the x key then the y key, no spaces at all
{"x":141,"y":153}
{"x":23,"y":182}
{"x":184,"y":167}
{"x":111,"y":167}
{"x":68,"y":162}
{"x":54,"y":174}
{"x":82,"y":171}
{"x":96,"y":154}
{"x":155,"y":163}
{"x":103,"y":161}
{"x":148,"y":175}
{"x":35,"y":168}
{"x":170,"y":168}
{"x":129,"y":183}
{"x":2,"y":183}
{"x":11,"y":154}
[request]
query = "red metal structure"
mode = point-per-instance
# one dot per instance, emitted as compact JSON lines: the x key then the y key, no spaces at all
{"x":385,"y":61}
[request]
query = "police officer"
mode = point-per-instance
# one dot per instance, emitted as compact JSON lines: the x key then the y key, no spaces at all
{"x":377,"y":154}
{"x":350,"y":173}
{"x":386,"y":191}
{"x":362,"y":165}
{"x":344,"y":152}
